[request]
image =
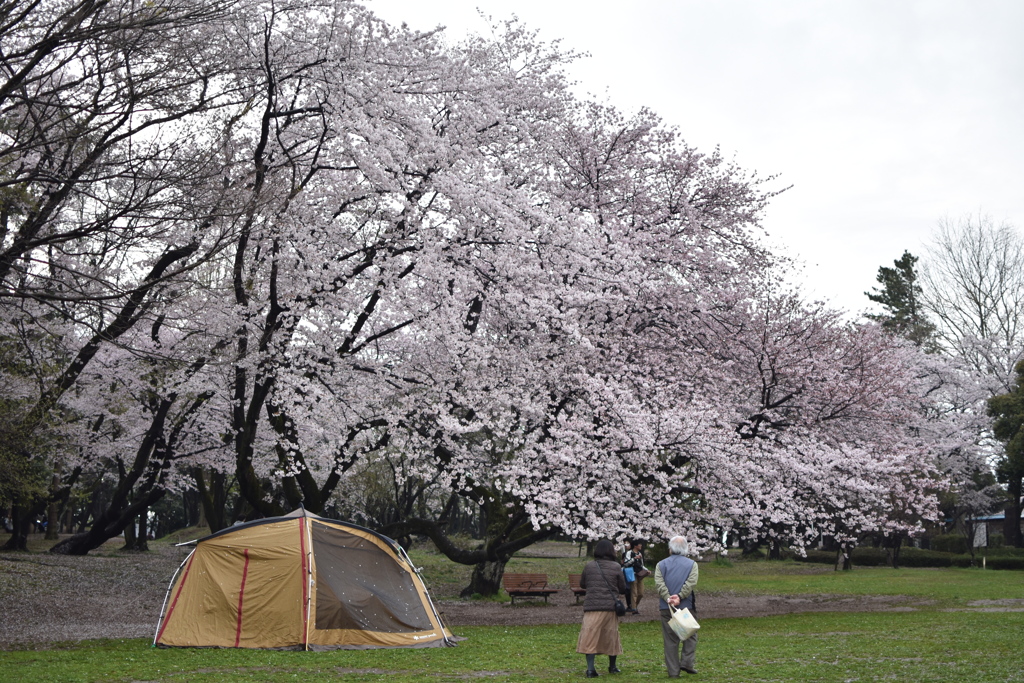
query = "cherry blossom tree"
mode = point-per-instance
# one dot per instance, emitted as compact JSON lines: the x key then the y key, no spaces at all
{"x":104,"y":195}
{"x":377,"y":248}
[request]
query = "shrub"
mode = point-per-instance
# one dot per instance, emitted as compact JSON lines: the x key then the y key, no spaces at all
{"x":1002,"y":551}
{"x":817,"y":557}
{"x":655,"y":553}
{"x":721,"y":561}
{"x":949,"y":543}
{"x":877,"y":557}
{"x":915,"y":557}
{"x":1005,"y":562}
{"x":1002,"y":558}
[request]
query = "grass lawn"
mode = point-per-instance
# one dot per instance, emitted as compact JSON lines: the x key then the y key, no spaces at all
{"x":948,"y":587}
{"x":904,"y":646}
{"x":946,"y":639}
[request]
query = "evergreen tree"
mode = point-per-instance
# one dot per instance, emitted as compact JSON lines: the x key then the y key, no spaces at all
{"x":1008,"y":411}
{"x":900,"y":296}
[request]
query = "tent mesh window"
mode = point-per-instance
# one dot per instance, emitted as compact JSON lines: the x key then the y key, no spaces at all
{"x":359,"y":585}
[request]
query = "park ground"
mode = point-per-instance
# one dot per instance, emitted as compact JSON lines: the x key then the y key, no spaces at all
{"x":92,"y":619}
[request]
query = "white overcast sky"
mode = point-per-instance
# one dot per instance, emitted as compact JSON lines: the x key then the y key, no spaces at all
{"x":885,"y":116}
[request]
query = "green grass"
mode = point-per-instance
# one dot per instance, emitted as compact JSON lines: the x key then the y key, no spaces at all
{"x":942,"y":639}
{"x":920,"y":646}
{"x":948,"y":587}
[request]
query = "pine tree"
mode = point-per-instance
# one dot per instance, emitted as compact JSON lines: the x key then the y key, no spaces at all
{"x":900,"y":296}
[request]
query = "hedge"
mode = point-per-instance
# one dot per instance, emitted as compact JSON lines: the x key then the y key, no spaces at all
{"x":949,"y":543}
{"x":1004,"y":558}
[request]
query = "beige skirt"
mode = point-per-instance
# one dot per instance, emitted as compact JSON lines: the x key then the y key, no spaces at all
{"x":599,"y":634}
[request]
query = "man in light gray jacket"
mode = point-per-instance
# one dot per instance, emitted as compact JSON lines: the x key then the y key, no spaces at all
{"x":675,"y":578}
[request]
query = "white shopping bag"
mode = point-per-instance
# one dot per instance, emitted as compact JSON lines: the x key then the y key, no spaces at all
{"x":682,"y":622}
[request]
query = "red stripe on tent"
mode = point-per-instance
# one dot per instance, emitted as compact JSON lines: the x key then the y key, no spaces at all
{"x":241,"y":592}
{"x":174,"y":602}
{"x":305,"y":603}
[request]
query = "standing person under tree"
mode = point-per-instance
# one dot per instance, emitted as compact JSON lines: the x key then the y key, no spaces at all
{"x":600,"y":632}
{"x":634,"y":559}
{"x":675,"y":578}
{"x":629,"y":577}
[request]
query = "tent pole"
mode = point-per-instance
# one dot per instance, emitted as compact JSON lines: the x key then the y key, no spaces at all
{"x":167,"y":595}
{"x":430,"y":600}
{"x":308,"y":531}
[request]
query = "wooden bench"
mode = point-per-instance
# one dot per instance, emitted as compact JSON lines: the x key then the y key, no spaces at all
{"x":527,"y":586}
{"x":574,"y":586}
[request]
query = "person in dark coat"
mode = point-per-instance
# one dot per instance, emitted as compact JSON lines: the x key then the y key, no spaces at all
{"x":599,"y":634}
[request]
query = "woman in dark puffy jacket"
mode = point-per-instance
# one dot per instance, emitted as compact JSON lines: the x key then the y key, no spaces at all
{"x":600,"y":632}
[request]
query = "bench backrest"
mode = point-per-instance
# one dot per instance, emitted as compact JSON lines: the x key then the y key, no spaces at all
{"x":524,"y":581}
{"x":574,"y":582}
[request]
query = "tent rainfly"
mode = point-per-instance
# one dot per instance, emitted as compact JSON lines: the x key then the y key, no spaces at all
{"x":298,"y":582}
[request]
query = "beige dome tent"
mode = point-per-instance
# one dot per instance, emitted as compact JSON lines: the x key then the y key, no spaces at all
{"x":298,"y":582}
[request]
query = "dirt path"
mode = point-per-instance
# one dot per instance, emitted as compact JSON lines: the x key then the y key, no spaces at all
{"x":563,"y":610}
{"x":49,"y":598}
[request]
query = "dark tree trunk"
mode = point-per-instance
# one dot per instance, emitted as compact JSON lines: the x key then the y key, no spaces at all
{"x":1012,"y":516}
{"x":751,"y":548}
{"x":892,"y":549}
{"x":213,"y":497}
{"x":52,"y":521}
{"x":135,"y":533}
{"x":843,"y":558}
{"x":137,"y":488}
{"x":774,"y":550}
{"x":21,"y":520}
{"x":129,"y":536}
{"x":105,"y":528}
{"x":489,"y":560}
{"x":486,"y":579}
{"x":142,"y":535}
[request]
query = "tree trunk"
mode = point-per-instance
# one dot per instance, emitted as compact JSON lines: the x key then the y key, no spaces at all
{"x":107,"y":526}
{"x":135,"y":537}
{"x":129,"y":536}
{"x":486,"y":579}
{"x":213,"y":498}
{"x":1013,"y":510}
{"x":774,"y":550}
{"x":190,"y":503}
{"x":843,"y":560}
{"x":142,"y":536}
{"x":52,"y":521}
{"x":21,"y":519}
{"x":894,"y":552}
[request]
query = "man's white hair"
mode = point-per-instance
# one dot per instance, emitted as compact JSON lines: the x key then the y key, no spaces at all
{"x":678,"y":545}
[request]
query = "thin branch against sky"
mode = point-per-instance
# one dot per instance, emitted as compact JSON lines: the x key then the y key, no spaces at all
{"x":885,"y":117}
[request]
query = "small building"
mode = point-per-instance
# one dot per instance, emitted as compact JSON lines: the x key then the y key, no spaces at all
{"x":989,"y":526}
